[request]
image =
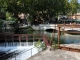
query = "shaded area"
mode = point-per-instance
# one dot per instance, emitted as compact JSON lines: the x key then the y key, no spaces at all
{"x":51,"y":30}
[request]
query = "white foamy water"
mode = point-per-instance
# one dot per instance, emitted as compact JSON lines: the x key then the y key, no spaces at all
{"x":25,"y":50}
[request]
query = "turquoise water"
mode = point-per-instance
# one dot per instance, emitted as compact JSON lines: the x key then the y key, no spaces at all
{"x":71,"y":39}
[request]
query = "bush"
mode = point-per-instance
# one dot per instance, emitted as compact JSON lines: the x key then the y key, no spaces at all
{"x":40,"y":45}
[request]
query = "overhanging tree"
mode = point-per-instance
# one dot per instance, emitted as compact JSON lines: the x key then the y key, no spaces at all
{"x":44,"y":8}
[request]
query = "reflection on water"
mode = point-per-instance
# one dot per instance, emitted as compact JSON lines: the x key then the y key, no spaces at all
{"x":66,"y":37}
{"x":70,"y":39}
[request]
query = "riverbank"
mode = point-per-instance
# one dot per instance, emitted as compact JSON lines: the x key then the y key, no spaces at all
{"x":56,"y":55}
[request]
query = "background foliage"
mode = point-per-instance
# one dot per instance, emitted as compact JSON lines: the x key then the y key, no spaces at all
{"x":40,"y":8}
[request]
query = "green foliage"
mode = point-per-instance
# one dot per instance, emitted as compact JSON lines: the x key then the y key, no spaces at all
{"x":24,"y":31}
{"x":74,"y":6}
{"x":10,"y":17}
{"x":54,"y":42}
{"x":30,"y":18}
{"x":41,"y":8}
{"x":54,"y":45}
{"x":1,"y":22}
{"x":40,"y":45}
{"x":78,"y":10}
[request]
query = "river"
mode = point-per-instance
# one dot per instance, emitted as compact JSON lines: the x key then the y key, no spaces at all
{"x":29,"y":46}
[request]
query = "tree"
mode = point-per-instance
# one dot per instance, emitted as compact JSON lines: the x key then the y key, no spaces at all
{"x":64,"y":7}
{"x":44,"y":9}
{"x":73,"y":6}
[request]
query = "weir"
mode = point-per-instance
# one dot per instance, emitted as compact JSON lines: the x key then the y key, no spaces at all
{"x":23,"y":37}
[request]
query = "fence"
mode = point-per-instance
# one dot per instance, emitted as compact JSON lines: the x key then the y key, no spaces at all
{"x":15,"y":55}
{"x":22,"y":37}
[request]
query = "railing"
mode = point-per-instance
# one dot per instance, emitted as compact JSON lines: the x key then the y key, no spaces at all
{"x":17,"y":54}
{"x":21,"y":37}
